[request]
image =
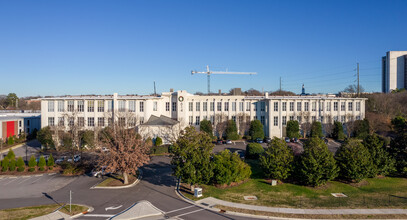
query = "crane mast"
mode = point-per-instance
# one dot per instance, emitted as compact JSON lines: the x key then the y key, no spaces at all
{"x":209,"y":73}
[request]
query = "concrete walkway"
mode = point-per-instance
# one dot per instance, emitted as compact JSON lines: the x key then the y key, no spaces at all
{"x":53,"y":215}
{"x":211,"y":202}
{"x":142,"y":209}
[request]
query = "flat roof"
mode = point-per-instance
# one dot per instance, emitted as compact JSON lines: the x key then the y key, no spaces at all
{"x":18,"y":116}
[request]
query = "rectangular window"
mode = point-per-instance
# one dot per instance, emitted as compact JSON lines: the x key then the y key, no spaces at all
{"x":50,"y":106}
{"x":91,"y":122}
{"x":191,"y":118}
{"x":276,"y":106}
{"x":213,"y":119}
{"x":284,"y":107}
{"x":81,"y":105}
{"x":205,"y":106}
{"x":101,"y":106}
{"x":298,"y":106}
{"x":247,"y":106}
{"x":328,"y":106}
{"x":132,"y":122}
{"x":219,"y":107}
{"x":254,"y":117}
{"x":275,"y":121}
{"x":132,"y":106}
{"x":167,"y":106}
{"x":299,"y":119}
{"x":122,"y":121}
{"x":174,"y":106}
{"x":141,"y":120}
{"x":71,"y":105}
{"x":321,"y":106}
{"x":291,"y":118}
{"x":291,"y":106}
{"x":212,"y":106}
{"x":234,"y":106}
{"x":342,"y":106}
{"x":336,"y":106}
{"x":141,"y":106}
{"x":241,"y":106}
{"x":263,"y":120}
{"x":358,"y":117}
{"x":51,"y":121}
{"x":197,"y":120}
{"x":255,"y":106}
{"x":343,"y":119}
{"x":226,"y":106}
{"x":262,"y":106}
{"x":350,"y":106}
{"x":306,"y":106}
{"x":357,"y":106}
{"x":101,"y":121}
{"x":234,"y":118}
{"x":335,"y":118}
{"x":198,"y":106}
{"x":322,"y":119}
{"x":110,"y":105}
{"x":314,"y":106}
{"x":314,"y":118}
{"x":81,"y":121}
{"x":61,"y":107}
{"x":122,"y":105}
{"x":71,"y":121}
{"x":91,"y":105}
{"x":155,"y":106}
{"x":190,"y":106}
{"x":247,"y":118}
{"x":61,"y":121}
{"x":284,"y":120}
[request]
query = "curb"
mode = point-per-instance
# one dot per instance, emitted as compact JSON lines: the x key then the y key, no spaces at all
{"x":90,"y":209}
{"x":24,"y":176}
{"x":119,"y":187}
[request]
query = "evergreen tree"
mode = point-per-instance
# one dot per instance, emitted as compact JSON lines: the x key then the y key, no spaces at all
{"x":88,"y":138}
{"x":254,"y":150}
{"x":398,"y":145}
{"x":228,"y":168}
{"x":338,"y":133}
{"x":361,"y":129}
{"x":316,"y":129}
{"x":44,"y":136}
{"x":158,"y":141}
{"x":4,"y":164}
{"x":50,"y":162}
{"x":20,"y":165}
{"x":316,"y":165}
{"x":256,"y":130}
{"x":12,"y":164}
{"x":277,"y":160}
{"x":383,"y":162}
{"x":41,"y":163}
{"x":206,"y":126}
{"x":10,"y":140}
{"x":293,"y":129}
{"x":354,"y":161}
{"x":231,"y":130}
{"x":32,"y":163}
{"x":10,"y":154}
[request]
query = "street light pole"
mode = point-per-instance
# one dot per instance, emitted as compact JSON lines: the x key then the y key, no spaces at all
{"x":70,"y":200}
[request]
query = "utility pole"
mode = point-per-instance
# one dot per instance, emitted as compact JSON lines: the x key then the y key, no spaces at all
{"x":155,"y":93}
{"x":70,"y":200}
{"x":358,"y":82}
{"x":280,"y":83}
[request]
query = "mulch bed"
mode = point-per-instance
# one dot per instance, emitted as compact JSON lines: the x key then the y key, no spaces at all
{"x":26,"y":172}
{"x":118,"y":180}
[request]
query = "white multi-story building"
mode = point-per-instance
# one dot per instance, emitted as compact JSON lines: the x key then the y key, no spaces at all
{"x":394,"y":71}
{"x":148,"y":113}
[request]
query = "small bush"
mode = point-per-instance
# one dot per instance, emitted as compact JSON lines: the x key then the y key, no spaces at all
{"x":10,"y":154}
{"x":12,"y":164}
{"x":10,"y":140}
{"x":4,"y":164}
{"x":254,"y":150}
{"x":229,"y":168}
{"x":50,"y":162}
{"x":159,"y":150}
{"x":158,"y":141}
{"x":32,"y":164}
{"x":20,"y":164}
{"x":41,"y":163}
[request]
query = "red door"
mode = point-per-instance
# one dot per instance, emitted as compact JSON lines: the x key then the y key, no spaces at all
{"x":10,"y":128}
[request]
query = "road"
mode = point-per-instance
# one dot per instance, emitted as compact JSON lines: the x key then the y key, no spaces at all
{"x":157,"y":186}
{"x":25,"y":151}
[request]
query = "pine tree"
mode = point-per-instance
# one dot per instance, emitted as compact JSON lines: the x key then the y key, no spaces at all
{"x":277,"y":160}
{"x":41,"y":163}
{"x":4,"y":164}
{"x":32,"y":164}
{"x":50,"y":162}
{"x":20,"y":164}
{"x":10,"y":154}
{"x":12,"y":164}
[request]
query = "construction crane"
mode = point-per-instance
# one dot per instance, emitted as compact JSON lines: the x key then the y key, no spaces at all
{"x":209,"y":73}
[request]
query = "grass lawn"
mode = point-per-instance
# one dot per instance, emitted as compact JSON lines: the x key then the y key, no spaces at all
{"x":117,"y":180}
{"x":371,"y":193}
{"x":35,"y":211}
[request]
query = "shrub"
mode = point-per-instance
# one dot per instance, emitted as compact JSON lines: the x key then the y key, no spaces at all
{"x":4,"y":164}
{"x":10,"y":154}
{"x":41,"y":163}
{"x":158,"y":141}
{"x":10,"y":140}
{"x":256,"y":130}
{"x":159,"y":150}
{"x":361,"y":130}
{"x":31,"y":164}
{"x":206,"y":126}
{"x":44,"y":136}
{"x":337,"y":132}
{"x":383,"y":162}
{"x":50,"y":162}
{"x":229,"y":168}
{"x":316,"y":129}
{"x":277,"y":160}
{"x":317,"y":164}
{"x":354,"y":161}
{"x":254,"y":150}
{"x":12,"y":164}
{"x":20,"y":164}
{"x":293,"y":129}
{"x":231,"y":130}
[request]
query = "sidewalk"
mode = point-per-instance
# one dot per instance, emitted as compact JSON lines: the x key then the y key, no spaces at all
{"x":211,"y":202}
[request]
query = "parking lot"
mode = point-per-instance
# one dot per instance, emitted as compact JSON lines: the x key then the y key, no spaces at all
{"x":31,"y":186}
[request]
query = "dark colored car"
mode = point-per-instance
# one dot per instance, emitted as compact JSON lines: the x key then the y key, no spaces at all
{"x":267,"y":140}
{"x":219,"y":142}
{"x":287,"y":139}
{"x":326,"y":141}
{"x":259,"y":140}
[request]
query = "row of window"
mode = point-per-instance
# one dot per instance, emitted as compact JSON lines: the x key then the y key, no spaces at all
{"x":313,"y":118}
{"x":225,"y":106}
{"x":101,"y":121}
{"x":314,"y":106}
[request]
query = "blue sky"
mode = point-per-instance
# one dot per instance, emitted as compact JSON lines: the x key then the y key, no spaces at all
{"x":101,"y":47}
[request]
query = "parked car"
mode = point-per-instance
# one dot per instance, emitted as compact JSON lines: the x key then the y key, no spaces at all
{"x":287,"y":140}
{"x":240,"y":153}
{"x":219,"y":142}
{"x":60,"y":160}
{"x":259,"y":140}
{"x":295,"y":140}
{"x":99,"y":172}
{"x":267,"y":140}
{"x":105,"y":149}
{"x":77,"y":158}
{"x":46,"y":157}
{"x":326,"y":141}
{"x":228,"y":142}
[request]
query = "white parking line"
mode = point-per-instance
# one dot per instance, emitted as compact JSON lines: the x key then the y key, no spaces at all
{"x":25,"y":179}
{"x":35,"y":180}
{"x":98,"y":215}
{"x":175,"y":210}
{"x":13,"y":179}
{"x":188,"y":213}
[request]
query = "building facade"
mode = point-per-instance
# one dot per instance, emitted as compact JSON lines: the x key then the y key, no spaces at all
{"x":14,"y":124}
{"x":394,"y":71}
{"x":91,"y":112}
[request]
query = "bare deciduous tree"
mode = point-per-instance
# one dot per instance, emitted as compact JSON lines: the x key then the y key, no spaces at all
{"x":243,"y":123}
{"x":220,"y":124}
{"x":350,"y":125}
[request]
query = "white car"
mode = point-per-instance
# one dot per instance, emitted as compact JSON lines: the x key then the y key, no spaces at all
{"x":60,"y":160}
{"x":77,"y":158}
{"x":98,"y":172}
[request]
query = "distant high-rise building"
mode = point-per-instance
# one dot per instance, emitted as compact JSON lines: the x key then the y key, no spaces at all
{"x":394,"y":71}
